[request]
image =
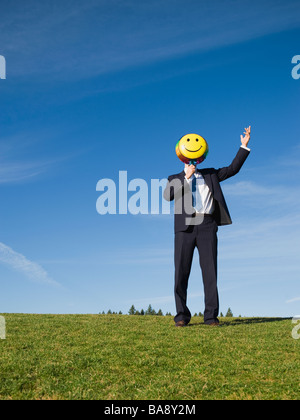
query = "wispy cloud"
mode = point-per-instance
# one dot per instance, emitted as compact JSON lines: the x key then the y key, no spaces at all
{"x":248,"y":188}
{"x":75,"y":39}
{"x":16,"y":161}
{"x":20,"y":263}
{"x":14,"y":164}
{"x":296,"y":299}
{"x":11,"y":172}
{"x":159,"y":300}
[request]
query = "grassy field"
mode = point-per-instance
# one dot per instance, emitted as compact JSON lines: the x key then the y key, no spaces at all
{"x":146,"y":357}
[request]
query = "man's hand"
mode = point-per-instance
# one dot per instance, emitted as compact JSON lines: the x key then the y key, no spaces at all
{"x":246,"y":138}
{"x":190,"y":170}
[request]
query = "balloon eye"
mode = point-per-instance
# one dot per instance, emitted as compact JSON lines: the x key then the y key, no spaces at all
{"x":197,"y":139}
{"x":188,"y":139}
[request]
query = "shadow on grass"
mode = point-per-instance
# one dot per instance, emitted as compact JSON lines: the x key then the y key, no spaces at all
{"x":241,"y":321}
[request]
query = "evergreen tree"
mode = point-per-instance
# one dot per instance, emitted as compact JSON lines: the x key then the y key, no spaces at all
{"x":229,"y":313}
{"x":142,"y":312}
{"x":132,"y":310}
{"x":159,"y":313}
{"x":150,"y":311}
{"x":109,"y":312}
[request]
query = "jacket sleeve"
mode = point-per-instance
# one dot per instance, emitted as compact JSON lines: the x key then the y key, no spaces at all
{"x":234,"y":167}
{"x":173,"y":189}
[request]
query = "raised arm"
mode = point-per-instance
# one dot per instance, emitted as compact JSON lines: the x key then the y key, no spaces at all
{"x":238,"y":161}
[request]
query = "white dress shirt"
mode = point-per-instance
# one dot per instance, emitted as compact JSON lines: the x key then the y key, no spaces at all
{"x":203,"y":201}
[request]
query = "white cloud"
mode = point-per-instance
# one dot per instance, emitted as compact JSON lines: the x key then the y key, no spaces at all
{"x":26,"y":267}
{"x":296,"y":299}
{"x":157,"y":300}
{"x":15,"y":166}
{"x":17,"y":172}
{"x":245,"y":188}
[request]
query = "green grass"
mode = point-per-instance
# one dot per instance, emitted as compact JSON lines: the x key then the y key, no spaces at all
{"x":146,"y":357}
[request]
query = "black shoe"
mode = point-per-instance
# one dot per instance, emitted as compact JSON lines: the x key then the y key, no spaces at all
{"x":180,"y":324}
{"x":214,"y":324}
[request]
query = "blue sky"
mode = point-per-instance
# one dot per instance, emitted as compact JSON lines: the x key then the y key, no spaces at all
{"x":97,"y":87}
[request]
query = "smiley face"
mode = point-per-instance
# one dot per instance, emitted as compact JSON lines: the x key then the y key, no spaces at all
{"x":192,"y":147}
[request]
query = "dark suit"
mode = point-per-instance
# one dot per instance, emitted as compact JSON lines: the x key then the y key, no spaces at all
{"x":203,"y":236}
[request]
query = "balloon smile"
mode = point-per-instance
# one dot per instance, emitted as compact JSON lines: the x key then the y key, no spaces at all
{"x":193,"y":151}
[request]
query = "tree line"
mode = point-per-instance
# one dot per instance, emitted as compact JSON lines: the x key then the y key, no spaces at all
{"x":152,"y":311}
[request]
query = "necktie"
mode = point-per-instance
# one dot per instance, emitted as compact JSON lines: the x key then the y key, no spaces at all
{"x":194,"y":185}
{"x":196,"y":198}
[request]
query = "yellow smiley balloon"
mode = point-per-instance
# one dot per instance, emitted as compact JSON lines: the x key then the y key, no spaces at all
{"x":192,"y":149}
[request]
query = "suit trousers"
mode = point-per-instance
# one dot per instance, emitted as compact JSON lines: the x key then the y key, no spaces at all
{"x":204,"y":237}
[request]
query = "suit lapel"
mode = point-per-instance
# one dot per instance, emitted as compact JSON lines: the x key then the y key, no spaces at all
{"x":184,"y":182}
{"x":207,"y":179}
{"x":182,"y":175}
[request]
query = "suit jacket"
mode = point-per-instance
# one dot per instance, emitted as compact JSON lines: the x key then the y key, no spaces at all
{"x":179,"y":190}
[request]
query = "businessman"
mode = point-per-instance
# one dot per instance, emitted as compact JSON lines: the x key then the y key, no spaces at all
{"x":200,"y":208}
